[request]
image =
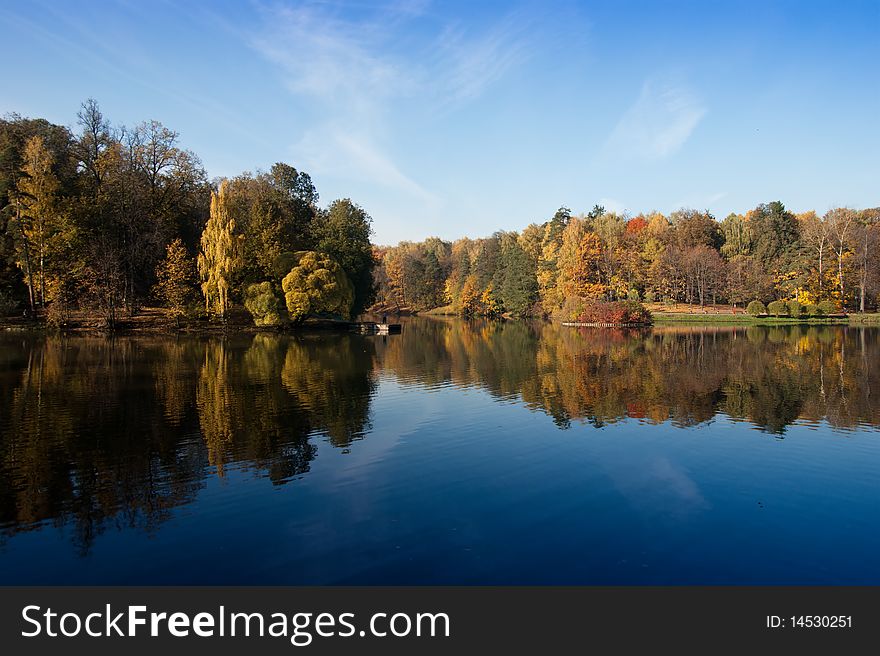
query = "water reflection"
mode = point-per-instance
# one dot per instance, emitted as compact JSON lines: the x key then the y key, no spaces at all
{"x":770,"y":377}
{"x":102,"y":432}
{"x":98,"y":433}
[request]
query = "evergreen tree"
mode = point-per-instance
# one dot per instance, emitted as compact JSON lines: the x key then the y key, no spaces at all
{"x":519,"y":286}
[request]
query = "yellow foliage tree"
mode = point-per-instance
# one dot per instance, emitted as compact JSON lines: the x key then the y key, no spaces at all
{"x":220,"y":257}
{"x":580,"y":260}
{"x":38,"y":222}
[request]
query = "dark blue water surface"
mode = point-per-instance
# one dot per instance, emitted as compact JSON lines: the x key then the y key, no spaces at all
{"x":454,"y":453}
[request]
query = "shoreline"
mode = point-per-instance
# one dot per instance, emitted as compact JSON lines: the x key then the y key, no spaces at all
{"x":749,"y":320}
{"x":152,"y":322}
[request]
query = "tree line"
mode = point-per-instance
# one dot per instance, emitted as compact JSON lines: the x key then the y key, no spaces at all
{"x":553,"y":268}
{"x":109,"y":219}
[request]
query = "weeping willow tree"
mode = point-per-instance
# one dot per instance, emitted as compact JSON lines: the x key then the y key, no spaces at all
{"x":220,"y":257}
{"x":317,"y":285}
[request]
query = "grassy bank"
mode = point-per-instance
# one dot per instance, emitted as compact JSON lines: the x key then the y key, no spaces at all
{"x":865,"y":319}
{"x":744,"y":319}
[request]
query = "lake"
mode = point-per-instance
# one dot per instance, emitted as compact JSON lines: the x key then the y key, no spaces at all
{"x":455,"y":453}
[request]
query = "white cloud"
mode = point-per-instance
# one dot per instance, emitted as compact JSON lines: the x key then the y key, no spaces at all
{"x":332,"y":150}
{"x":466,"y":67}
{"x":357,"y":72}
{"x":658,"y":124}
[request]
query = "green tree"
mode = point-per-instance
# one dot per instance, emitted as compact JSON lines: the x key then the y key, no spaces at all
{"x":756,"y":308}
{"x":778,"y":309}
{"x":264,"y":304}
{"x":343,"y":233}
{"x":737,"y":236}
{"x":317,"y":285}
{"x":775,"y":236}
{"x":276,"y":212}
{"x":519,"y":286}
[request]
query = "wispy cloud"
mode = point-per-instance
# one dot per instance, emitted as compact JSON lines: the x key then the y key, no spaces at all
{"x":658,"y":124}
{"x":467,"y":65}
{"x":356,"y":69}
{"x":348,"y":154}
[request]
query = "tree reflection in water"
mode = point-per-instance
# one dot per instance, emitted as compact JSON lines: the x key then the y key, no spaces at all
{"x":769,"y":377}
{"x":103,"y":432}
{"x":96,"y":433}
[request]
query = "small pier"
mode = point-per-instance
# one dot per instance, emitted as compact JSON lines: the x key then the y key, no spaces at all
{"x":371,"y":328}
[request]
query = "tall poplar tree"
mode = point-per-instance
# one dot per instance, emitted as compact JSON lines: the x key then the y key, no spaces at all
{"x":220,"y":257}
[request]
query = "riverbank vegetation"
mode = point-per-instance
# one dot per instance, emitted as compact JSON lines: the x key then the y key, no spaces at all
{"x":802,"y":262}
{"x":101,"y":222}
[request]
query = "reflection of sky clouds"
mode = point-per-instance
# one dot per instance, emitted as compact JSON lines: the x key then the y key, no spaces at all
{"x":658,"y":486}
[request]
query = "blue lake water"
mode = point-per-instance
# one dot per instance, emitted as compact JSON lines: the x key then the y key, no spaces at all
{"x":455,"y":453}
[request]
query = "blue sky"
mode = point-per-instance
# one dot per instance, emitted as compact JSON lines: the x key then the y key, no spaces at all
{"x":459,"y":119}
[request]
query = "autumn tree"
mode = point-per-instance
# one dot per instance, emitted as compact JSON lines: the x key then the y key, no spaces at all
{"x":40,"y":224}
{"x":611,"y":230}
{"x":816,"y":236}
{"x":175,"y":276}
{"x":842,"y":223}
{"x":865,"y":242}
{"x":691,"y":228}
{"x":747,"y":281}
{"x":548,"y":265}
{"x":705,"y":273}
{"x":580,"y":262}
{"x":220,"y":256}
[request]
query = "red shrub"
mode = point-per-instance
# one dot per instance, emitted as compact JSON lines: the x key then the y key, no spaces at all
{"x":617,"y":312}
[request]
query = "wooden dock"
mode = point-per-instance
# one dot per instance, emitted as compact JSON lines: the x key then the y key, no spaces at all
{"x":371,"y":328}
